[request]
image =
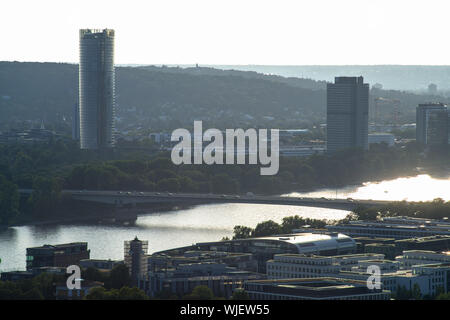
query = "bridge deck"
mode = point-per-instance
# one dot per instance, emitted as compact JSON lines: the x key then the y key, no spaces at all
{"x":127,"y":197}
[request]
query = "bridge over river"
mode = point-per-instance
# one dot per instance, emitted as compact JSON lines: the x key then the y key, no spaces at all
{"x":126,"y":198}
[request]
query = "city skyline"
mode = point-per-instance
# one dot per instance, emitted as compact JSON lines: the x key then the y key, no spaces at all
{"x":212,"y":173}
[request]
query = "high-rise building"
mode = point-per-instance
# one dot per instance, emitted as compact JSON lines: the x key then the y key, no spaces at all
{"x":76,"y":122}
{"x":135,"y":252}
{"x":96,"y":88}
{"x":347,"y":114}
{"x":432,"y":121}
{"x":437,"y":128}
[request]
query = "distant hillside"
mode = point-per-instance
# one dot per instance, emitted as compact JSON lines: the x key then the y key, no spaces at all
{"x":293,"y":81}
{"x":392,"y":77}
{"x":166,"y":98}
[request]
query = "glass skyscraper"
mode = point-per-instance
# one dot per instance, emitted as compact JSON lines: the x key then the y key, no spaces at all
{"x":347,"y":114}
{"x":432,"y":123}
{"x":96,"y":88}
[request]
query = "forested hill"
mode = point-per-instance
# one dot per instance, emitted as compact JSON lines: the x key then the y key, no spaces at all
{"x":292,"y":81}
{"x":172,"y":97}
{"x":49,"y":91}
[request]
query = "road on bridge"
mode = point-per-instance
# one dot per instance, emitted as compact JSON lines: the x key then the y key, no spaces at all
{"x":120,"y":198}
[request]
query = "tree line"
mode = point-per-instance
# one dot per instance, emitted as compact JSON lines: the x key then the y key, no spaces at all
{"x":48,"y":168}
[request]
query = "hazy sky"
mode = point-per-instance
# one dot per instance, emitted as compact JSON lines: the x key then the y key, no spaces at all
{"x":233,"y":31}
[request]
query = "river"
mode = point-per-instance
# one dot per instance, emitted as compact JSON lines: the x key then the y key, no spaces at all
{"x":170,"y":229}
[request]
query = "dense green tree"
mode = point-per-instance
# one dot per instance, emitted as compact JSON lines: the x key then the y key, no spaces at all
{"x":45,"y":284}
{"x":240,"y":294}
{"x":266,"y":228}
{"x":46,"y":195}
{"x":170,"y":184}
{"x":223,"y":183}
{"x":242,"y":232}
{"x":126,"y":293}
{"x":416,"y":294}
{"x":93,"y":274}
{"x":33,"y":294}
{"x":9,"y":201}
{"x":119,"y":277}
{"x":200,"y":293}
{"x":443,"y":296}
{"x":295,"y":222}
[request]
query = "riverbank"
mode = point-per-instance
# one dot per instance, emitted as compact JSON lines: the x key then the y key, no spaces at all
{"x":116,"y":215}
{"x":413,"y":186}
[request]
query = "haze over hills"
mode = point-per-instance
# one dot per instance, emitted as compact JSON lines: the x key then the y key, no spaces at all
{"x":165,"y":98}
{"x":395,"y":77}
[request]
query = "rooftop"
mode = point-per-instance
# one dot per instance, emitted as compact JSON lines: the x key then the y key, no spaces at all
{"x":426,"y":239}
{"x":326,"y":287}
{"x":60,"y":246}
{"x":303,"y":240}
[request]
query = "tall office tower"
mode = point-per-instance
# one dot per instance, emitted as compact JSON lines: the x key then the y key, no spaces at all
{"x":430,"y":122}
{"x":448,"y":126}
{"x":135,"y":253}
{"x":76,"y":122}
{"x":96,"y":88}
{"x":437,"y":128}
{"x":347,"y":114}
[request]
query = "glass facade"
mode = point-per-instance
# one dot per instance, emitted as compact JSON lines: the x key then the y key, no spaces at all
{"x":96,"y":88}
{"x":347,"y":114}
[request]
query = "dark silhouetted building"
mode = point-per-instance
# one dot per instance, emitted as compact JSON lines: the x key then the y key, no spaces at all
{"x":61,"y":255}
{"x":96,"y":88}
{"x":264,"y":248}
{"x":432,"y":123}
{"x":393,"y":227}
{"x":432,"y":89}
{"x":347,"y":114}
{"x":326,"y":288}
{"x":76,"y":122}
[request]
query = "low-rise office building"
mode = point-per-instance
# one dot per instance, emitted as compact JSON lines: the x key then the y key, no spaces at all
{"x":16,"y":275}
{"x":264,"y":248}
{"x":387,"y":138}
{"x":99,"y":264}
{"x":385,"y":266}
{"x":438,"y":277}
{"x":392,"y":277}
{"x":412,"y":258}
{"x":26,"y":275}
{"x":173,"y":258}
{"x":181,"y":280}
{"x":430,"y":279}
{"x":387,"y":249}
{"x":394,"y":227}
{"x":61,"y":255}
{"x":432,"y":243}
{"x":64,"y":293}
{"x":285,"y":266}
{"x":313,"y":289}
{"x":348,"y":261}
